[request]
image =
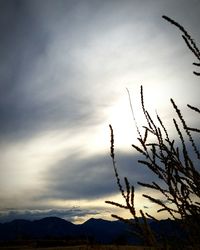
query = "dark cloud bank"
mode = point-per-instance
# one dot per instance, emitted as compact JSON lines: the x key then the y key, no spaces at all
{"x":92,"y":178}
{"x":69,"y":214}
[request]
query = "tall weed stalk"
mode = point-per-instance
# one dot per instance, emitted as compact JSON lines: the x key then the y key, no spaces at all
{"x":174,"y":163}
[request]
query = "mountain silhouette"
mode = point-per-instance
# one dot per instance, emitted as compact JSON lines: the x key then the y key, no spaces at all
{"x":95,"y":230}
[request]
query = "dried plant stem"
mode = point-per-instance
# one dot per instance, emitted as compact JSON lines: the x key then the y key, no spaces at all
{"x":172,"y":161}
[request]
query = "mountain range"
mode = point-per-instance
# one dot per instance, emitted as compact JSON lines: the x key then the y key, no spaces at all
{"x":95,"y":230}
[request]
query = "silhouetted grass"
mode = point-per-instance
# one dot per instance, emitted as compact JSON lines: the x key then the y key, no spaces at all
{"x":175,"y":163}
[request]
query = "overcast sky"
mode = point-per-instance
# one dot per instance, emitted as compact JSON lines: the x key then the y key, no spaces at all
{"x":64,"y":69}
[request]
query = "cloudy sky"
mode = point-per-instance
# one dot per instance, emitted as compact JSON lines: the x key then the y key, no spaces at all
{"x":64,"y":69}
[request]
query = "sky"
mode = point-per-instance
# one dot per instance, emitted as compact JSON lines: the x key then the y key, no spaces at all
{"x":65,"y":66}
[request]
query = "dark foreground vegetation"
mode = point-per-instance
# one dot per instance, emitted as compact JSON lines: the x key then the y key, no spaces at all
{"x":29,"y":246}
{"x":175,"y":163}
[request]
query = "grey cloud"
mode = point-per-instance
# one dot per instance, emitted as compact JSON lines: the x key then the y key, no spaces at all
{"x":38,"y":92}
{"x":24,"y":41}
{"x":32,"y":77}
{"x":80,"y":178}
{"x":47,"y":86}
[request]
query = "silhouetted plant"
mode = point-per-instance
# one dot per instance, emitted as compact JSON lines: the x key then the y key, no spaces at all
{"x":188,"y":40}
{"x":175,"y":165}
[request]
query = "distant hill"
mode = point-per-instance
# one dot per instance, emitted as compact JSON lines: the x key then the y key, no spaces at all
{"x":94,"y":230}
